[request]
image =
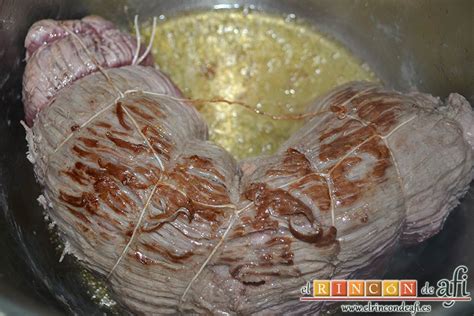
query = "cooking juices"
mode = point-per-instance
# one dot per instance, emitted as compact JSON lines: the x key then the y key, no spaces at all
{"x":276,"y":64}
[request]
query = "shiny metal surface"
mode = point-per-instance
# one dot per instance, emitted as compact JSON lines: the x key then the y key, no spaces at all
{"x":428,"y":45}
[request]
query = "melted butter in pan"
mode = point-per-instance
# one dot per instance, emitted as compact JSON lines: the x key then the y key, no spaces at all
{"x":274,"y":63}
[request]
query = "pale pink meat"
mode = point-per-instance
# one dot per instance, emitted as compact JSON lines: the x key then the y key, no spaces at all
{"x":55,"y":58}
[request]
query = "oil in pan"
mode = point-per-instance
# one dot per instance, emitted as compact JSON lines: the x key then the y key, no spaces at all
{"x":276,"y":64}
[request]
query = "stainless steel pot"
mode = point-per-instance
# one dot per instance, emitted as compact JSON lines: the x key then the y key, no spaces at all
{"x":424,"y":44}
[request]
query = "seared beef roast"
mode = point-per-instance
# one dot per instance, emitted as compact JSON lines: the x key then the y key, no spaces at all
{"x":177,"y":225}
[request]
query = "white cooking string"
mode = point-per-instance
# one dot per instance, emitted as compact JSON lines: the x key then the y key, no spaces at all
{"x":136,"y":58}
{"x":138,"y":38}
{"x":233,"y":102}
{"x":150,"y":43}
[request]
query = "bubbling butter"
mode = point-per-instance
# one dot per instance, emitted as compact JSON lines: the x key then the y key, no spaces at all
{"x":276,"y":64}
